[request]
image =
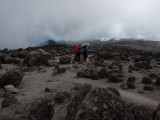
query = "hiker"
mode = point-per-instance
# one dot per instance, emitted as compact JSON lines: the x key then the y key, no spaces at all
{"x":85,"y":50}
{"x":77,"y":51}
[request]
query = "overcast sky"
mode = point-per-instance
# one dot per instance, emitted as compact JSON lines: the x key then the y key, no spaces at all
{"x":27,"y":22}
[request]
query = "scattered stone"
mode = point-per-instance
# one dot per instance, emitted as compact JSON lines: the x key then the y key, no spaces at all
{"x":9,"y":100}
{"x":131,"y":79}
{"x":52,"y":63}
{"x":142,"y":65}
{"x":62,"y":97}
{"x":40,"y":67}
{"x":88,"y":73}
{"x":157,"y":81}
{"x":0,"y":65}
{"x":23,"y":54}
{"x":146,"y":80}
{"x":156,"y":113}
{"x":61,"y":70}
{"x":65,"y":59}
{"x":152,"y":75}
{"x":147,"y":87}
{"x":114,"y":90}
{"x":12,"y":77}
{"x":115,"y":79}
{"x":141,"y":92}
{"x":10,"y":88}
{"x":131,"y":85}
{"x":55,"y":72}
{"x":28,"y":69}
{"x":48,"y":89}
{"x":103,"y":73}
{"x":7,"y":59}
{"x":124,"y":86}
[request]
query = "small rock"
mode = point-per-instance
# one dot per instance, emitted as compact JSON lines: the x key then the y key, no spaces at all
{"x":40,"y":67}
{"x":146,"y":80}
{"x":115,"y":79}
{"x":147,"y":87}
{"x":65,"y":59}
{"x":124,"y":86}
{"x":131,"y":85}
{"x":61,"y":70}
{"x":141,"y":92}
{"x":131,"y":79}
{"x":62,"y":97}
{"x":10,"y":88}
{"x":157,"y":81}
{"x":114,"y":90}
{"x":9,"y":100}
{"x":52,"y":63}
{"x":48,"y":89}
{"x":152,"y":75}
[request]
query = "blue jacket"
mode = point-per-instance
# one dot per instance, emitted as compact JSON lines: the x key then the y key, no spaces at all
{"x":85,"y":48}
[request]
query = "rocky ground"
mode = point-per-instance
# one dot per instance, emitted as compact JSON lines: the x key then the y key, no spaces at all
{"x":45,"y":83}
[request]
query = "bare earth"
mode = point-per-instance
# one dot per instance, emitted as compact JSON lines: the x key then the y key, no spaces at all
{"x":33,"y":86}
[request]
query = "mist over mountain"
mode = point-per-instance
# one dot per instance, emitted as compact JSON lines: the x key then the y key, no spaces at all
{"x":29,"y":23}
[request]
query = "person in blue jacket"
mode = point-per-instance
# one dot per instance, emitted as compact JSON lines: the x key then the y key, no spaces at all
{"x":85,"y":51}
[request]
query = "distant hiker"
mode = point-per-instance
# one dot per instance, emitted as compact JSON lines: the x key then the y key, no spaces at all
{"x":77,"y":52}
{"x":85,"y":50}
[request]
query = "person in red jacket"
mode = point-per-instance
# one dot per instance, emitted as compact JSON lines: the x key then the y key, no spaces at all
{"x":77,"y":52}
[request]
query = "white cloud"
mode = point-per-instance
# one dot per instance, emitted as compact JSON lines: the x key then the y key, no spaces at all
{"x":25,"y":22}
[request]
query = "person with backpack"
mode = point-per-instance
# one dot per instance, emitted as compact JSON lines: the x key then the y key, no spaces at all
{"x":85,"y":50}
{"x":77,"y":52}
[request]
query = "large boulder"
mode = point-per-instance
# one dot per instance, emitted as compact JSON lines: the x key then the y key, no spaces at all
{"x":65,"y":59}
{"x":12,"y":77}
{"x":94,"y":103}
{"x":37,"y":57}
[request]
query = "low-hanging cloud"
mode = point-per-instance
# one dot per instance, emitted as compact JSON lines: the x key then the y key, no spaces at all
{"x":27,"y":22}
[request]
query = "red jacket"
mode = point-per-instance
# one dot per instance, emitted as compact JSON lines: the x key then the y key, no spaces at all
{"x":76,"y":49}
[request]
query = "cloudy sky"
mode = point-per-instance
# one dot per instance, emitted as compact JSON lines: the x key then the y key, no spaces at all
{"x":25,"y":23}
